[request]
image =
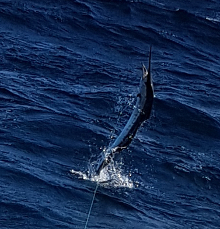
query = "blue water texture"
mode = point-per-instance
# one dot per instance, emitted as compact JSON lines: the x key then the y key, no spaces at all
{"x":69,"y":75}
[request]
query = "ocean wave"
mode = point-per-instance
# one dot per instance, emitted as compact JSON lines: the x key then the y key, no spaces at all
{"x":69,"y":74}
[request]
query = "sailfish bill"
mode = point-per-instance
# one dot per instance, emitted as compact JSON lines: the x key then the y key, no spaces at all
{"x":140,"y":113}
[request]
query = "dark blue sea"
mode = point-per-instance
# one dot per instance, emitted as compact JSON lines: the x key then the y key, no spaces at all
{"x":69,"y":76}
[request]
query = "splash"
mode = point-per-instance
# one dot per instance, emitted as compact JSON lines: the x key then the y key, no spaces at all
{"x":110,"y":176}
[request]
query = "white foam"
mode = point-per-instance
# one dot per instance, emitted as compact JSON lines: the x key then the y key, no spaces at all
{"x":108,"y":177}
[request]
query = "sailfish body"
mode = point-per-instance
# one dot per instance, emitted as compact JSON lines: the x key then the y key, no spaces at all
{"x":140,"y":113}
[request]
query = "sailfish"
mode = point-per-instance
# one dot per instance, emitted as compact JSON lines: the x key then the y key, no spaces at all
{"x":141,"y":113}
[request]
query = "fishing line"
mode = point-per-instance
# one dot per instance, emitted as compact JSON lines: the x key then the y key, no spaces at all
{"x":90,"y":209}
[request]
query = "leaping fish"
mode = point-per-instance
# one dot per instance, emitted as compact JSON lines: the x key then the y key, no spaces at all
{"x":140,"y":113}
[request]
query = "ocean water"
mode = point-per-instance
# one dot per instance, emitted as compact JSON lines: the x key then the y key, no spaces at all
{"x":69,"y":75}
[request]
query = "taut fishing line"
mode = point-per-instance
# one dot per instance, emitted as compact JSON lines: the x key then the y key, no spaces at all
{"x":90,"y":209}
